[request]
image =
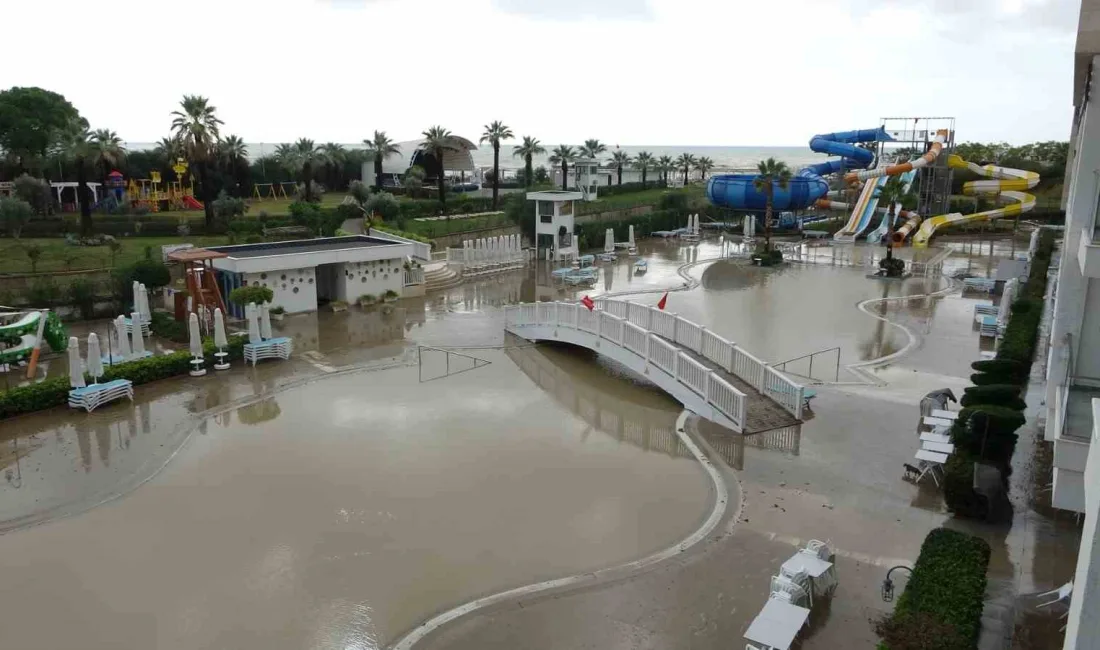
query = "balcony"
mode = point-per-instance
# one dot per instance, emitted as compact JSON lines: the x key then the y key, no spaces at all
{"x":1072,"y":448}
{"x":1088,"y":254}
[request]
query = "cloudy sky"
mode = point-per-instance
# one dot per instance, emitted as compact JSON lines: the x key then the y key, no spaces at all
{"x":655,"y":72}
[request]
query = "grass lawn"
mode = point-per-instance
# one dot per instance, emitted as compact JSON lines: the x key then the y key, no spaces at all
{"x":633,"y":199}
{"x":273,"y":207}
{"x":58,"y":256}
{"x":440,"y":227}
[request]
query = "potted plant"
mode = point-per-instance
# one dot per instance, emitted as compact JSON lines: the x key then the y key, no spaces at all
{"x":366,"y":300}
{"x":338,"y":305}
{"x":390,"y":295}
{"x":277,"y":312}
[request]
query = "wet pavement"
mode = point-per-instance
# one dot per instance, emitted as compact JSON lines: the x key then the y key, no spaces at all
{"x":336,"y":500}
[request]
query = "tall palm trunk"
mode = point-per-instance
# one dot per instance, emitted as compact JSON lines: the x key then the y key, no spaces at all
{"x":643,"y":177}
{"x":685,"y":174}
{"x":204,"y":193}
{"x":440,"y":185}
{"x":528,"y":171}
{"x":377,"y":173}
{"x":564,"y":174}
{"x":620,"y":175}
{"x":768,"y":220}
{"x":307,"y":178}
{"x":496,"y":172}
{"x":83,"y":199}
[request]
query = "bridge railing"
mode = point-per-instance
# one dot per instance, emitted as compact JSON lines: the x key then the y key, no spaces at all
{"x":651,"y":348}
{"x":669,"y":326}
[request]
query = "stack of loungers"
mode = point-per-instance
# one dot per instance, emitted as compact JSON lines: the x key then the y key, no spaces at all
{"x":89,"y":397}
{"x":279,"y":348}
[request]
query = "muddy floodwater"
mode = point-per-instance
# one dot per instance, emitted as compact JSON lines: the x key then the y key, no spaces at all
{"x":411,"y":459}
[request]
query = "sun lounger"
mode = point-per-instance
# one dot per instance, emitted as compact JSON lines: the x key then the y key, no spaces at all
{"x":777,"y":624}
{"x":90,"y":397}
{"x":930,"y":462}
{"x":936,"y":422}
{"x":941,"y":447}
{"x":984,"y":285}
{"x":277,"y":348}
{"x":946,"y":415}
{"x":935,"y":437}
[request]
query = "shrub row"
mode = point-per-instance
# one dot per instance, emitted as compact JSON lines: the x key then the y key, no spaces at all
{"x":55,"y":391}
{"x":629,"y":188}
{"x":941,"y":608}
{"x":985,"y":430}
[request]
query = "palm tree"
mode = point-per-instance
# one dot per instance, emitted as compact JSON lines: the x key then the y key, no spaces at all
{"x":74,"y":144}
{"x":563,"y":155}
{"x":438,"y":141}
{"x":770,"y":173}
{"x":704,"y":165}
{"x":168,"y":149}
{"x":686,"y":161}
{"x":664,"y":163}
{"x":335,"y":155}
{"x":530,"y":148}
{"x":196,"y":129}
{"x":304,"y":157}
{"x":893,"y":192}
{"x":494,"y":133}
{"x":643,"y":161}
{"x":592,"y":148}
{"x":107,"y":151}
{"x":620,"y":159}
{"x":234,"y":155}
{"x":381,"y":147}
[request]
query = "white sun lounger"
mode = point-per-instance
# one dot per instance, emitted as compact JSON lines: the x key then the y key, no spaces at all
{"x":941,"y":447}
{"x":930,"y":462}
{"x":935,"y":437}
{"x":946,"y":415}
{"x":777,"y":625}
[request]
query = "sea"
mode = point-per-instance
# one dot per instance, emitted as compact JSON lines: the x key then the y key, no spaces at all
{"x":725,"y":158}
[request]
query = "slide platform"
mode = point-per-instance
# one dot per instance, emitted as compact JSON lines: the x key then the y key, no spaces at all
{"x":190,"y":202}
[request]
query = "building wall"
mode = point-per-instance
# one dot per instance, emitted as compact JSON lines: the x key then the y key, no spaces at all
{"x":1088,"y":349}
{"x":295,"y":289}
{"x":375,"y":277}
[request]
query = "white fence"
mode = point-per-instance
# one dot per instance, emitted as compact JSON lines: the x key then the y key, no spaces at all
{"x":726,"y":354}
{"x":421,"y":251}
{"x":414,"y":276}
{"x":649,"y":348}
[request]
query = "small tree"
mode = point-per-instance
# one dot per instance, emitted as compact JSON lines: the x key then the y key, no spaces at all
{"x":620,"y":159}
{"x":771,"y":173}
{"x":383,"y":205}
{"x":82,"y":295}
{"x":643,"y":162}
{"x":414,"y":180}
{"x":116,"y":248}
{"x":14,"y":214}
{"x":244,"y":295}
{"x":34,"y":253}
{"x":893,"y":193}
{"x":36,"y":192}
{"x":359,"y":192}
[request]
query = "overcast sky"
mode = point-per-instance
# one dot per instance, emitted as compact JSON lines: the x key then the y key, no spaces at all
{"x":655,"y":72}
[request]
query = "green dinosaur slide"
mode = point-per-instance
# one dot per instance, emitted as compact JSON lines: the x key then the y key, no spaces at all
{"x":25,"y":329}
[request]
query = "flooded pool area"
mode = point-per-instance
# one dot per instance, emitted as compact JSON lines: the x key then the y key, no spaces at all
{"x":410,"y":459}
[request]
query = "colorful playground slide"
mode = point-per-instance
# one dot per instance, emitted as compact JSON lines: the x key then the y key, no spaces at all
{"x":1008,"y":184}
{"x":876,"y":235}
{"x":738,"y":191}
{"x":26,"y":329}
{"x":190,"y":202}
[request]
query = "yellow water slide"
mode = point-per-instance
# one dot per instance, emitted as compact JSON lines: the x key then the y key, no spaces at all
{"x":1009,"y":184}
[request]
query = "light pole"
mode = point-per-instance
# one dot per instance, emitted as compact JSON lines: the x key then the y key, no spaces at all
{"x":888,"y":585}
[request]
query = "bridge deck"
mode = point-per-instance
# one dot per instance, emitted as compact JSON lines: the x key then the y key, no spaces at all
{"x":761,"y":412}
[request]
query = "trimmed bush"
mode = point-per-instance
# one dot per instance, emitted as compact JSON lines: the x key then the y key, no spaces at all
{"x":1006,"y":367}
{"x":244,"y":295}
{"x":34,"y":397}
{"x":946,"y":590}
{"x":1006,"y":395}
{"x":993,"y":424}
{"x":630,"y":188}
{"x":82,"y":295}
{"x":166,"y":327}
{"x":958,"y":488}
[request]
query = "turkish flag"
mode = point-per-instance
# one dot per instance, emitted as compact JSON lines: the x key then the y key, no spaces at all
{"x":587,"y":302}
{"x":662,"y":302}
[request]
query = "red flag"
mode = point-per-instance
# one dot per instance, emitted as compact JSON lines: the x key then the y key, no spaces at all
{"x":587,"y":302}
{"x":662,"y":302}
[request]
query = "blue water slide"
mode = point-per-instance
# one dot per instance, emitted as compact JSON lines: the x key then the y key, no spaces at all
{"x":738,"y":192}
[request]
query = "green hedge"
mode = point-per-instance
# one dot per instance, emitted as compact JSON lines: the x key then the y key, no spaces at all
{"x":630,"y":188}
{"x":945,"y":595}
{"x":1007,"y":395}
{"x":1008,"y":367}
{"x":55,"y":391}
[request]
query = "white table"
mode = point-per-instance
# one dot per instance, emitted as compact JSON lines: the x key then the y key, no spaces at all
{"x":936,"y":422}
{"x":935,"y":437}
{"x":941,"y":447}
{"x":777,"y":624}
{"x":814,"y":567}
{"x":946,"y":415}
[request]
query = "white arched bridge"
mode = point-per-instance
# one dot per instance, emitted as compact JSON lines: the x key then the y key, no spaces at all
{"x":709,"y":375}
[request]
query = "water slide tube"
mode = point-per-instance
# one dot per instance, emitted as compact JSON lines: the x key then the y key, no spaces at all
{"x":807,"y":186}
{"x":876,"y":235}
{"x":928,"y":158}
{"x":1008,"y":184}
{"x":26,"y":328}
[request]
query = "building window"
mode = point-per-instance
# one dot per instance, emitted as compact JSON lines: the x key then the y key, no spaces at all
{"x":567,"y":207}
{"x":295,"y":289}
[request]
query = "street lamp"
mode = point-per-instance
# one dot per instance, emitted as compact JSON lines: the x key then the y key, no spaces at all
{"x":888,"y":585}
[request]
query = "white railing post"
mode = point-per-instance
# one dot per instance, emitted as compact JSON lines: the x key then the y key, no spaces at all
{"x":648,"y":343}
{"x":675,"y":323}
{"x":599,"y":327}
{"x":577,"y":317}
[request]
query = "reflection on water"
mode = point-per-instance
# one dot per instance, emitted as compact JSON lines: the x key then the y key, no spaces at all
{"x":602,"y":395}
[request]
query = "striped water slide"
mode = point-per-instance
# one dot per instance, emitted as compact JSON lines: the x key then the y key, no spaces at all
{"x":876,"y":235}
{"x":863,"y":211}
{"x":1006,"y":183}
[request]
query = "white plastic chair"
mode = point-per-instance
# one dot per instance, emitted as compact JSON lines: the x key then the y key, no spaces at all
{"x":785,"y":589}
{"x":801,"y":579}
{"x":1063,"y":593}
{"x":818,"y":549}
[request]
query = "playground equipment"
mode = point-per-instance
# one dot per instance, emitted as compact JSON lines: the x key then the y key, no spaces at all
{"x":153,"y":194}
{"x":30,"y":329}
{"x":273,"y":191}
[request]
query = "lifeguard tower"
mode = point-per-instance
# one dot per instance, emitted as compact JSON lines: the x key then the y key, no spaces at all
{"x":554,"y":210}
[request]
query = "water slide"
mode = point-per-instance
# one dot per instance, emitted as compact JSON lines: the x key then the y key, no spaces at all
{"x":864,"y":210}
{"x":1007,"y":184}
{"x":26,"y":329}
{"x":190,"y":202}
{"x":807,"y":186}
{"x":876,"y":235}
